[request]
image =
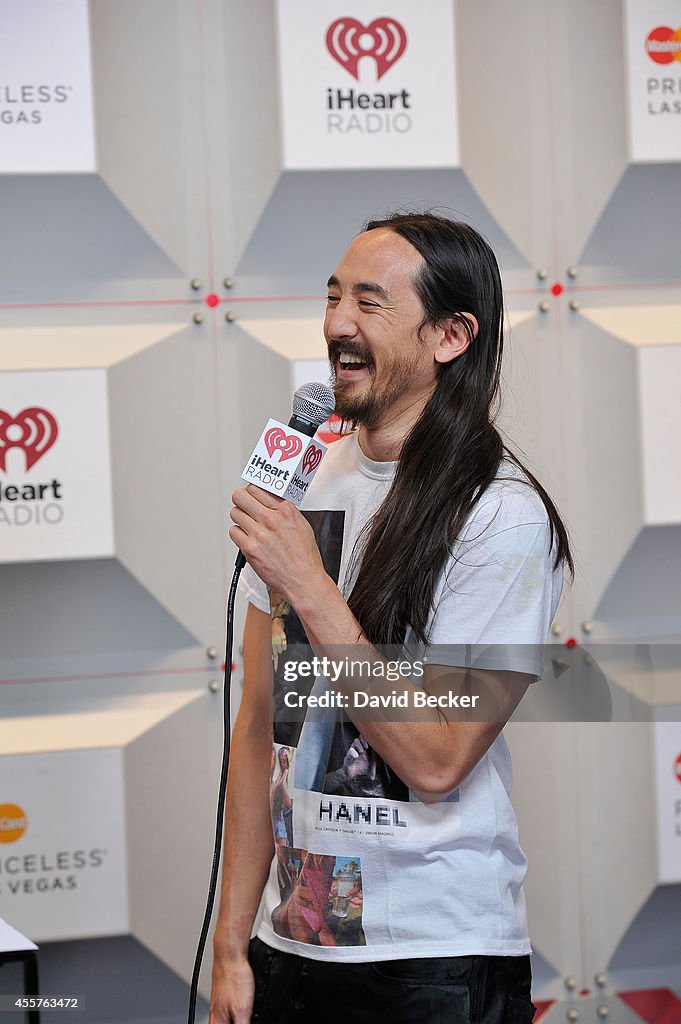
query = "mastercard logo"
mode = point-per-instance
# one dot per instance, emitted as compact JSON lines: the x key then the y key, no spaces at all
{"x":13,"y":823}
{"x":663,"y":45}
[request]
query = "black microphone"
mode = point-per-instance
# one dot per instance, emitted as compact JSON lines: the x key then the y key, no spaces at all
{"x":312,"y":404}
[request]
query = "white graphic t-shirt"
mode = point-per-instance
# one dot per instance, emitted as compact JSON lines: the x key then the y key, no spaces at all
{"x":362,"y":869}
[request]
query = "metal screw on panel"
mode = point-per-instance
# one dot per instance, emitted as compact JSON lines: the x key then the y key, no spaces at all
{"x":601,"y":979}
{"x":543,"y":306}
{"x":241,"y":650}
{"x":214,"y":686}
{"x":602,"y":1011}
{"x":587,"y":627}
{"x":570,"y":983}
{"x":228,"y":282}
{"x":230,"y":316}
{"x":542,"y":273}
{"x":556,"y":629}
{"x":572,"y":1015}
{"x":195,"y":284}
{"x":574,"y":305}
{"x":211,"y":652}
{"x":572,"y":272}
{"x":198,"y":318}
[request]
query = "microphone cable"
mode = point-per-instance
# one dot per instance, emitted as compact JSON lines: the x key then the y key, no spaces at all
{"x":312,"y":404}
{"x":222,"y":790}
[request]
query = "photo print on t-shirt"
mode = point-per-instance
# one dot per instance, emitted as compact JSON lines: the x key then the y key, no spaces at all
{"x":287,"y":629}
{"x":353,"y":768}
{"x":281,"y":793}
{"x":321,"y":898}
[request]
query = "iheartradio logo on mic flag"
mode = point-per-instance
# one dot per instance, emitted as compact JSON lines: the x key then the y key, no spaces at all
{"x":358,"y":87}
{"x":284,"y":462}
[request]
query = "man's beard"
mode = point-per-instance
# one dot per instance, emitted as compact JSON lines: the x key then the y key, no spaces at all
{"x":367,"y":407}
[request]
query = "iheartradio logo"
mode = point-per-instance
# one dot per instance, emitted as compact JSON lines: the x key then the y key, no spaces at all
{"x":311,"y":459}
{"x":348,"y":41}
{"x":287,"y":445}
{"x":32,"y":430}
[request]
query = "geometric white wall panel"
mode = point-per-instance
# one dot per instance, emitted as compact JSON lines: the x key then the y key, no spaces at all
{"x":502,"y":100}
{"x":659,"y":377}
{"x":626,"y":420}
{"x":653,"y":59}
{"x":667,"y":749}
{"x":364,"y":87}
{"x":132,"y":465}
{"x":64,"y":877}
{"x":547,"y":808}
{"x":157,"y":117}
{"x":95,"y":793}
{"x":55,"y":478}
{"x":46,"y":119}
{"x":600,"y":832}
{"x":169,"y":514}
{"x":324,"y":211}
{"x":81,"y":71}
{"x":655,"y":334}
{"x":171,"y":771}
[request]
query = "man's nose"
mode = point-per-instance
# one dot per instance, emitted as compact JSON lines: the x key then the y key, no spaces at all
{"x":340,"y":321}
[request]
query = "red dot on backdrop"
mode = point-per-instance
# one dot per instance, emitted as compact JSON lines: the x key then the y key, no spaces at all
{"x":557,"y":288}
{"x":677,"y":767}
{"x":212,"y":299}
{"x":571,"y":642}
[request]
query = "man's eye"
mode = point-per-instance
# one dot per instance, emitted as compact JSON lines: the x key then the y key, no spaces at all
{"x":365,"y":302}
{"x":333,"y":298}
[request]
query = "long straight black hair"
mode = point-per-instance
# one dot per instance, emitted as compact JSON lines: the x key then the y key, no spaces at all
{"x":454,"y":451}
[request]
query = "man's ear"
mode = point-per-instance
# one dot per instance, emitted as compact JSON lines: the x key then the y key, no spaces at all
{"x":455,"y":337}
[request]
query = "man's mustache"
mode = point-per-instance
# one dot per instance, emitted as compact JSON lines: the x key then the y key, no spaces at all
{"x":336,"y":347}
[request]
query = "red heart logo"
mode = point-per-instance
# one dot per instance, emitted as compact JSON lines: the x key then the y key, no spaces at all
{"x":288,"y":445}
{"x":33,"y":430}
{"x":347,"y":40}
{"x":311,"y":459}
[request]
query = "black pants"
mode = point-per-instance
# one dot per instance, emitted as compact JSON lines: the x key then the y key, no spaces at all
{"x":291,"y":989}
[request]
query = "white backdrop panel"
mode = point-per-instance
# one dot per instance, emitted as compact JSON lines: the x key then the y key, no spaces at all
{"x":362,"y":87}
{"x":55,"y":501}
{"x":653,"y":58}
{"x":46,"y":118}
{"x":65,"y":877}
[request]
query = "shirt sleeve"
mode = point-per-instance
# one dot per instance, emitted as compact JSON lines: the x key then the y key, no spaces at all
{"x":252,"y":588}
{"x":496,"y":602}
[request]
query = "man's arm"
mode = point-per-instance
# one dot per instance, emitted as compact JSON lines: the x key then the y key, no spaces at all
{"x":432,"y":750}
{"x":432,"y":754}
{"x":249,"y":843}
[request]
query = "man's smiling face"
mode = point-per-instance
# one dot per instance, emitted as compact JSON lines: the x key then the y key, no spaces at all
{"x":373,"y":315}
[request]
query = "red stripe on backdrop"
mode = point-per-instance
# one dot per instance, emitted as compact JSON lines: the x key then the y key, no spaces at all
{"x":543,"y":1006}
{"x":655,"y":1005}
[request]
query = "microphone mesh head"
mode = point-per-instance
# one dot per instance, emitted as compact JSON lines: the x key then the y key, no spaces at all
{"x":313,"y":402}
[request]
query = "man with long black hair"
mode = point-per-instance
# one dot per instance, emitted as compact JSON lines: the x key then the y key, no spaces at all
{"x":400,"y":897}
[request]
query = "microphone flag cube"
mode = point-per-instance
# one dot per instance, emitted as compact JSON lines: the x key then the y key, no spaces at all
{"x":284,"y":462}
